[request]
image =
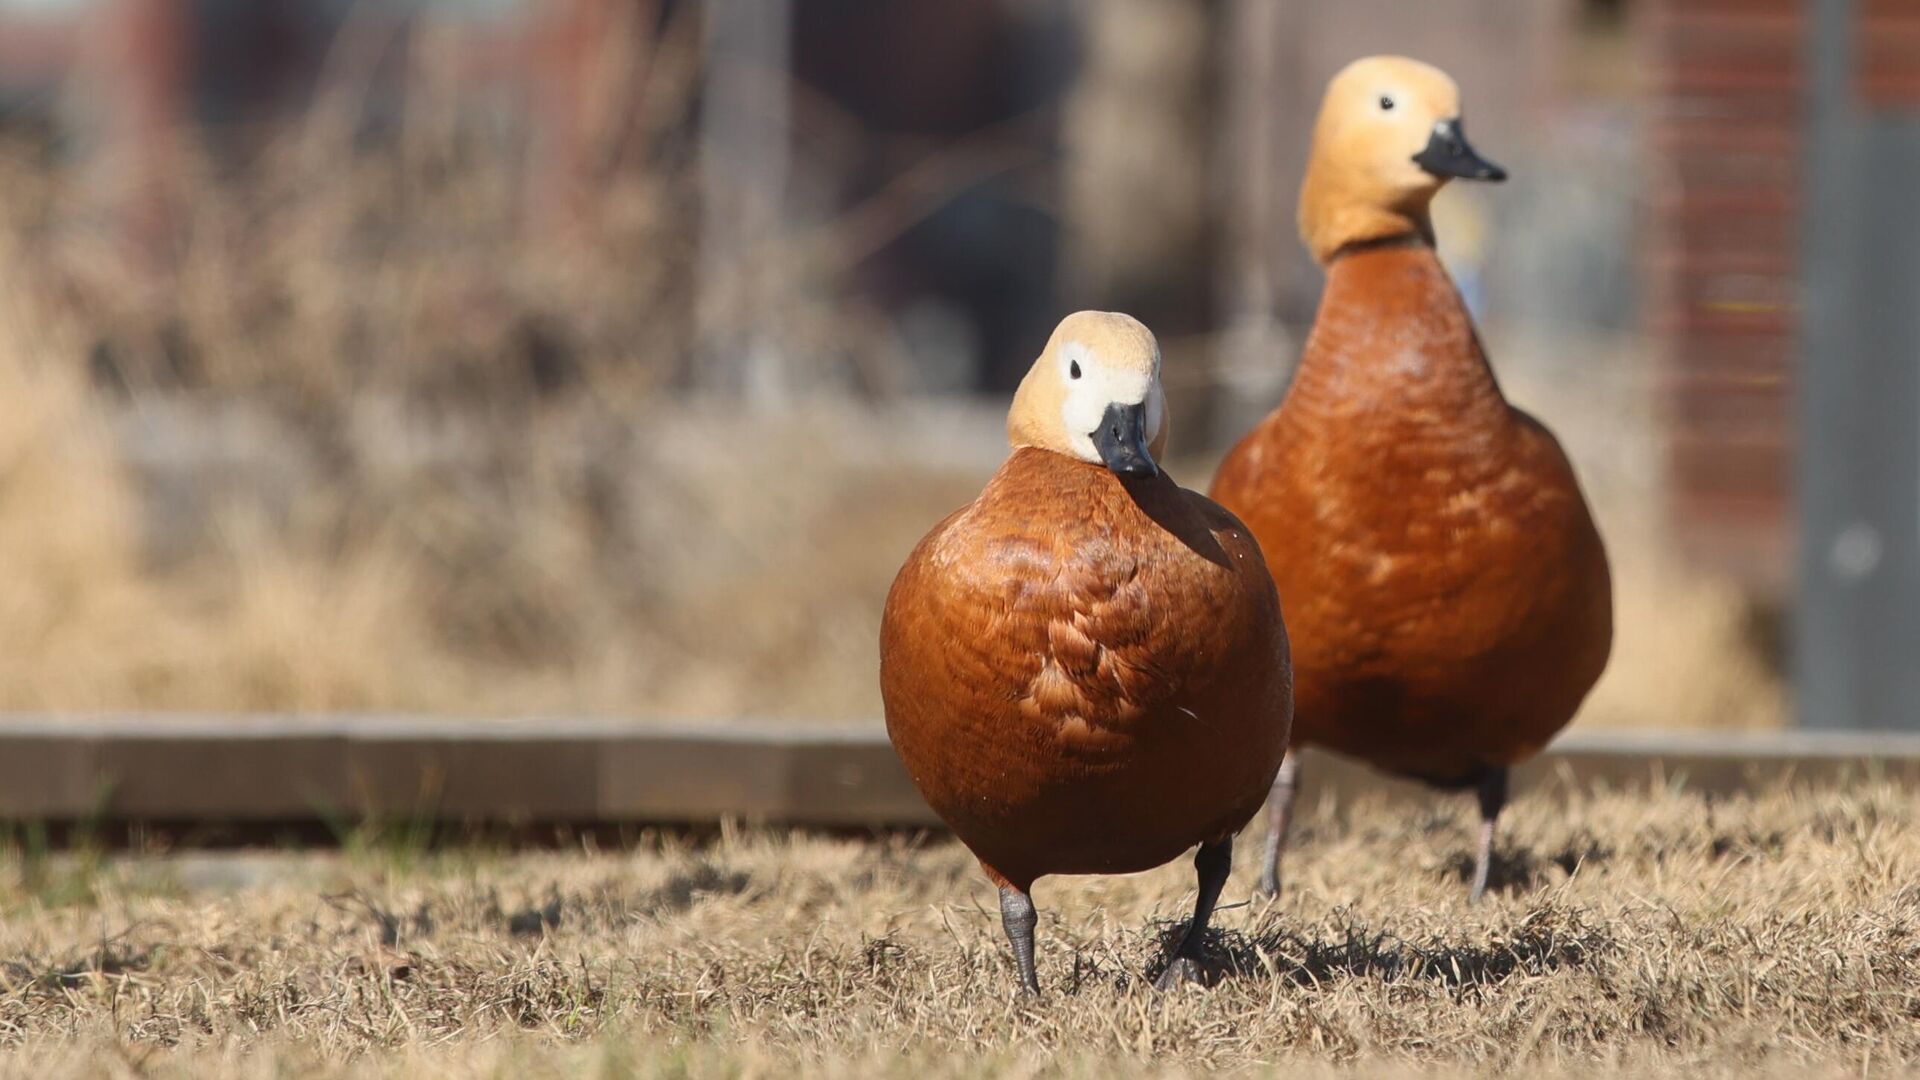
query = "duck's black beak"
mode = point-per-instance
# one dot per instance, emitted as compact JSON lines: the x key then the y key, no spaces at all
{"x":1121,"y":440}
{"x":1449,"y":154}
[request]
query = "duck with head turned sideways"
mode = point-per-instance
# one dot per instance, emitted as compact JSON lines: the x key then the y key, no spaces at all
{"x":1085,"y":669}
{"x":1446,"y":587}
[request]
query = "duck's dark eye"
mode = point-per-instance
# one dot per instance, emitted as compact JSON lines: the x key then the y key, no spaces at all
{"x":1073,"y":369}
{"x":1386,"y":103}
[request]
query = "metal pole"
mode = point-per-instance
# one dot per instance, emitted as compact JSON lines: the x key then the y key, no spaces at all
{"x":1857,"y":629}
{"x":743,"y":178}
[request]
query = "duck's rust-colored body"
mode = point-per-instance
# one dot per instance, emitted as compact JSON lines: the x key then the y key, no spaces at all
{"x":1434,"y":555}
{"x":1447,"y":591}
{"x":1086,"y":673}
{"x":1085,"y":669}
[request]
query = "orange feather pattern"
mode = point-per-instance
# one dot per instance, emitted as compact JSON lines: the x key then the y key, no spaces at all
{"x":1084,"y":673}
{"x":1446,"y":589}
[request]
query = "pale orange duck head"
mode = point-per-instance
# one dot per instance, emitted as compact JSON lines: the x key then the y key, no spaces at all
{"x":1388,"y":137}
{"x":1447,"y":592}
{"x":1095,"y":395}
{"x":1085,"y":670}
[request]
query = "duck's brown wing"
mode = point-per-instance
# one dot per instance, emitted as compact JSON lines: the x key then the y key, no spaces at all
{"x":1033,"y":633}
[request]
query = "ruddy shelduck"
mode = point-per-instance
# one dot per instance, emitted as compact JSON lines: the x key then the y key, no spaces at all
{"x":1447,"y":590}
{"x":1085,"y":670}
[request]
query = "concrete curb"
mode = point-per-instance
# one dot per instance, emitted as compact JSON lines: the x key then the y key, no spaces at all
{"x":327,"y":769}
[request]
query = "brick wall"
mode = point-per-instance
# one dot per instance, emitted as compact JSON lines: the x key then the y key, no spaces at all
{"x":1887,"y":44}
{"x":1726,"y":92}
{"x":1728,"y":86}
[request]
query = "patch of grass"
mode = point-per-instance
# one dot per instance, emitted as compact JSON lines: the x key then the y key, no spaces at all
{"x":43,"y":877}
{"x":394,"y":844}
{"x":35,"y":872}
{"x":1771,"y":935}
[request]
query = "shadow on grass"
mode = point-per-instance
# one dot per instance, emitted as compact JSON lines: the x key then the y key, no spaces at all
{"x":110,"y":959}
{"x":1545,"y":941}
{"x":592,"y":911}
{"x":607,"y":908}
{"x":681,"y":890}
{"x":1522,"y":870}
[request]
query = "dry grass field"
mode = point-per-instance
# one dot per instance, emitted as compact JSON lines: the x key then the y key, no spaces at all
{"x":1627,"y":935}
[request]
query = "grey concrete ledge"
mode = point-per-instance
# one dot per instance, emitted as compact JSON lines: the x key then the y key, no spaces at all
{"x":608,"y":771}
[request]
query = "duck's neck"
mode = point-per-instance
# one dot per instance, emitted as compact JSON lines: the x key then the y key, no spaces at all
{"x":1393,"y":329}
{"x":1331,"y":226}
{"x":1341,"y":208}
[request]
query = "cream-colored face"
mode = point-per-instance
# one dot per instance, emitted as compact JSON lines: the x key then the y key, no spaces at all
{"x":1380,"y":113}
{"x":1092,"y":382}
{"x":1095,"y":362}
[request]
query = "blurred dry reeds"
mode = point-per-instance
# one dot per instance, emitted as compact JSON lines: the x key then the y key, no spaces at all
{"x":375,"y":425}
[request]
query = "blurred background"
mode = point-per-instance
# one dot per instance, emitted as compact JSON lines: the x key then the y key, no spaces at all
{"x":608,"y":356}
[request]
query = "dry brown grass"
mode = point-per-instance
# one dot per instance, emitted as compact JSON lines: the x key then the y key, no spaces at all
{"x":1655,"y":936}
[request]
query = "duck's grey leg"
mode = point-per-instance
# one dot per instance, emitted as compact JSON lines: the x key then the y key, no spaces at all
{"x":1213,"y":862}
{"x":1019,"y":918}
{"x":1279,"y":817}
{"x":1493,"y":796}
